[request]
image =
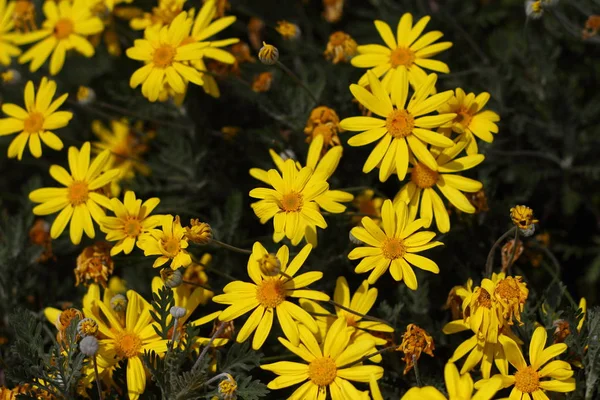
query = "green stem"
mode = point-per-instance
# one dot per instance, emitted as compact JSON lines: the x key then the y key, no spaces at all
{"x":230,"y":247}
{"x":297,"y":80}
{"x":367,"y":317}
{"x":490,"y":258}
{"x":513,"y":252}
{"x":386,"y":349}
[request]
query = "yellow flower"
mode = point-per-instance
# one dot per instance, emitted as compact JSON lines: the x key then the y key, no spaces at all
{"x":470,"y":118}
{"x":78,"y":202}
{"x":529,"y":380}
{"x":362,"y":301}
{"x":394,"y":247}
{"x":340,"y":48}
{"x":65,"y":28}
{"x":132,"y":219}
{"x":458,"y":386}
{"x":169,"y":243}
{"x":305,"y":203}
{"x":421,"y":197}
{"x":287,"y":30}
{"x":268,"y":295}
{"x":126,"y":148}
{"x":404,"y":130}
{"x":198,"y":232}
{"x":522,"y":217}
{"x":7,"y":24}
{"x":583,"y":308}
{"x":40,"y":115}
{"x":329,"y":365}
{"x":160,"y":16}
{"x":165,"y":53}
{"x":407,"y":52}
{"x":129,"y":340}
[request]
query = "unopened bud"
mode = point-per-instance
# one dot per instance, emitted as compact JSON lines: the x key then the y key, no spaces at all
{"x":270,"y":265}
{"x":87,"y":327}
{"x":268,"y":54}
{"x":171,"y":278}
{"x":118,"y":303}
{"x":177,"y":312}
{"x":89,"y":346}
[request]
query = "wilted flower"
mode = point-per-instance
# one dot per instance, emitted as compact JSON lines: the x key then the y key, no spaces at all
{"x":323,"y":121}
{"x":94,"y":264}
{"x":333,"y":9}
{"x":198,"y":232}
{"x":268,"y":54}
{"x":414,"y":342}
{"x":522,"y":217}
{"x":262,"y":82}
{"x":255,"y":27}
{"x":508,"y":250}
{"x":39,"y":234}
{"x":340,"y":48}
{"x":269,"y":264}
{"x":24,"y":16}
{"x":511,"y":294}
{"x":288,"y":30}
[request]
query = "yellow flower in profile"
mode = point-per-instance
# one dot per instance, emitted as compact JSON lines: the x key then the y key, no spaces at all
{"x":165,"y":53}
{"x":132,"y":219}
{"x":66,"y":27}
{"x":458,"y":387}
{"x":471,"y":119}
{"x":403,"y":130}
{"x":421,"y":197}
{"x":329,"y":365}
{"x":394,"y":247}
{"x":78,"y":202}
{"x":362,"y":301}
{"x":268,"y":295}
{"x":7,"y":38}
{"x":291,"y":203}
{"x":128,"y":341}
{"x":529,"y":380}
{"x":407,"y":52}
{"x":35,"y":121}
{"x":169,"y":243}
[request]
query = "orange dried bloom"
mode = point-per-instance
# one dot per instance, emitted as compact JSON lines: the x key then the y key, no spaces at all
{"x":592,"y":25}
{"x":63,"y":321}
{"x":24,"y":16}
{"x":414,"y":342}
{"x":522,"y":217}
{"x":454,"y":303}
{"x":479,"y":201}
{"x":333,"y":10}
{"x":511,"y":295}
{"x":323,"y":121}
{"x":287,"y":30}
{"x":561,"y":330}
{"x":39,"y":234}
{"x":262,"y":82}
{"x":94,"y":264}
{"x":227,"y":333}
{"x":507,"y":251}
{"x":198,"y":232}
{"x":340,"y":48}
{"x":255,"y":28}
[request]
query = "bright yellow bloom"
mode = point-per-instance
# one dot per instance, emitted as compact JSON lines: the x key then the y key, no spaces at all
{"x":292,"y":203}
{"x":129,"y":340}
{"x":268,"y":295}
{"x":65,"y":28}
{"x":329,"y":200}
{"x":40,"y":115}
{"x":362,"y":301}
{"x":394,"y":247}
{"x":7,"y":38}
{"x":79,"y":202}
{"x":169,"y":243}
{"x":160,"y":16}
{"x":460,"y":387}
{"x":420,"y":195}
{"x":132,"y":219}
{"x":165,"y":53}
{"x":470,"y":118}
{"x":522,"y":217}
{"x":529,"y":380}
{"x":403,"y":130}
{"x":326,"y":365}
{"x":407,"y":53}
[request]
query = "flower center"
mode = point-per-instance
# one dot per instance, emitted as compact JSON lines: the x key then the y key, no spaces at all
{"x":527,"y":380}
{"x":322,"y":371}
{"x":164,"y":55}
{"x":484,"y":298}
{"x":507,"y":289}
{"x":171,"y":246}
{"x":132,"y":227}
{"x":292,"y":202}
{"x":400,"y":123}
{"x":351,"y":320}
{"x":271,"y":293}
{"x":63,"y":28}
{"x":402,"y":56}
{"x":127,"y":344}
{"x":34,"y":123}
{"x":423,"y":177}
{"x":463,"y":117}
{"x":78,"y":192}
{"x":393,"y":248}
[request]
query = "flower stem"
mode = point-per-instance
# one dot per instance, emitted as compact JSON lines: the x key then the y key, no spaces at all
{"x":297,"y":80}
{"x":208,"y":346}
{"x":513,"y":252}
{"x":199,"y":285}
{"x":385,"y":349}
{"x":416,"y":369}
{"x":490,"y":258}
{"x":174,"y":337}
{"x":357,"y":313}
{"x":97,"y":378}
{"x":230,"y":247}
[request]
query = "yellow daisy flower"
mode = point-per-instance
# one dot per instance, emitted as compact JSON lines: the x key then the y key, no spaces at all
{"x":420,"y":190}
{"x":164,"y":52}
{"x":40,"y":115}
{"x":268,"y":295}
{"x":7,"y":24}
{"x":394,"y":247}
{"x":132,"y":219}
{"x":169,"y":243}
{"x":406,"y":52}
{"x":362,"y":301}
{"x":79,"y":202}
{"x":404,"y":130}
{"x":66,"y":26}
{"x":129,"y":340}
{"x":458,"y":387}
{"x":528,"y":382}
{"x":324,"y":167}
{"x":330,"y":365}
{"x":292,"y":203}
{"x":471,"y":119}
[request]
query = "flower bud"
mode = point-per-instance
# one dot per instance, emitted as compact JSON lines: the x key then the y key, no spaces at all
{"x":268,"y":54}
{"x":177,"y":312}
{"x":198,"y":232}
{"x":270,"y":265}
{"x":171,"y":279}
{"x":89,"y":346}
{"x":118,"y":303}
{"x":87,"y":327}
